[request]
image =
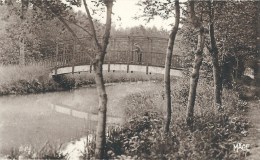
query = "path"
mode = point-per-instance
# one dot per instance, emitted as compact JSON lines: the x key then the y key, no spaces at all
{"x":254,"y":133}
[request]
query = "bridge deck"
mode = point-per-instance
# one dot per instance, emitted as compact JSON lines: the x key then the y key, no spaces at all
{"x":129,"y":68}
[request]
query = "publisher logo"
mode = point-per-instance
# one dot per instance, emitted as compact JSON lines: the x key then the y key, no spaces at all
{"x":241,"y":147}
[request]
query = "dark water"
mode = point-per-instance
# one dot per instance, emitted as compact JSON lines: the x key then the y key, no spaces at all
{"x":58,"y":117}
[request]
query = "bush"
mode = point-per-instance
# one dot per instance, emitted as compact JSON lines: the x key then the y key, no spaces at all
{"x":143,"y":137}
{"x":36,"y":79}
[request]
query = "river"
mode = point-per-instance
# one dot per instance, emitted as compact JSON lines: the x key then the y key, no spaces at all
{"x":58,"y":117}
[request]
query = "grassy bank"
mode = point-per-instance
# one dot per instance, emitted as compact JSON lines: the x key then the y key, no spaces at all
{"x":26,"y":79}
{"x":213,"y":136}
{"x":36,"y":79}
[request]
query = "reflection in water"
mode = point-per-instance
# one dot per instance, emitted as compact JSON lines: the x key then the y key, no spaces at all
{"x":85,"y":115}
{"x":31,"y":119}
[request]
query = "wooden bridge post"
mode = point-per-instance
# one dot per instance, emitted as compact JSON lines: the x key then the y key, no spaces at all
{"x":90,"y":67}
{"x":114,"y":49}
{"x":63,"y":55}
{"x":108,"y":69}
{"x":73,"y":56}
{"x":130,"y":43}
{"x":57,"y":54}
{"x":151,"y":51}
{"x":147,"y":68}
{"x":56,"y":70}
{"x":127,"y":67}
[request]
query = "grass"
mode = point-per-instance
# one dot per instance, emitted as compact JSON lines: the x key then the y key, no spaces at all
{"x":214,"y":134}
{"x":35,"y":79}
{"x":12,"y":74}
{"x":25,"y":79}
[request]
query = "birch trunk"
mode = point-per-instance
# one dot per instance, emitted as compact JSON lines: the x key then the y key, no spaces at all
{"x":196,"y":66}
{"x":195,"y":77}
{"x":167,"y":80}
{"x":102,"y":109}
{"x":102,"y":95}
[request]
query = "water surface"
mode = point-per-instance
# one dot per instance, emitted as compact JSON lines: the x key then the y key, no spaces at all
{"x":37,"y":119}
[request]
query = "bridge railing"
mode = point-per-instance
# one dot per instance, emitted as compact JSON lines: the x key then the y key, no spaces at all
{"x":118,"y":57}
{"x":150,"y":58}
{"x":112,"y":57}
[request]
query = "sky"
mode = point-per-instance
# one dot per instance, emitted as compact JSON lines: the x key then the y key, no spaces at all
{"x":126,"y":10}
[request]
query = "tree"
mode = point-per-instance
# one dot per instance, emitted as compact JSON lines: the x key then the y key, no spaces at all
{"x":56,"y":8}
{"x":164,"y":10}
{"x":38,"y":30}
{"x":98,"y":69}
{"x":236,"y":37}
{"x":168,"y":60}
{"x":213,"y":49}
{"x":257,"y":70}
{"x":198,"y":26}
{"x":98,"y":63}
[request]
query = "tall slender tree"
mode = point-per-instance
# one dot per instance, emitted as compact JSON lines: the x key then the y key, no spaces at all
{"x":198,"y":26}
{"x":168,"y":60}
{"x":98,"y":68}
{"x":164,"y":10}
{"x":257,"y":70}
{"x":213,"y":49}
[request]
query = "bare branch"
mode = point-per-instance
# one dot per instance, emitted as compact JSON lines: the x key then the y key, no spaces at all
{"x":106,"y":35}
{"x":75,"y":37}
{"x":194,"y":19}
{"x":92,"y":27}
{"x":79,"y":27}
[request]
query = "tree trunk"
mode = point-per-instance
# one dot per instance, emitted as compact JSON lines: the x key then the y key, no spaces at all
{"x":217,"y":81}
{"x":194,"y":78}
{"x":167,"y":80}
{"x":214,"y":56}
{"x":102,"y":96}
{"x":227,"y":71}
{"x":196,"y":66}
{"x":21,"y":52}
{"x":102,"y":99}
{"x":257,"y":67}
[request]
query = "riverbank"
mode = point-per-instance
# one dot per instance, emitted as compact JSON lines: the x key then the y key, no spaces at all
{"x":17,"y":80}
{"x":214,"y":135}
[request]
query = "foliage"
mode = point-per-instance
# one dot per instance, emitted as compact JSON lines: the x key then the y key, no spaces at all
{"x":36,"y":79}
{"x":213,"y":135}
{"x":29,"y":79}
{"x":48,"y":151}
{"x":40,"y":28}
{"x":139,"y":31}
{"x":235,"y":34}
{"x":162,"y":8}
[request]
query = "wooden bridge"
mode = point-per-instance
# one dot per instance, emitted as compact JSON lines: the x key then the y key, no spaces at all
{"x":126,"y":53}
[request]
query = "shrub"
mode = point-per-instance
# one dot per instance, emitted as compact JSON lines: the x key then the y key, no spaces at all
{"x":214,"y":133}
